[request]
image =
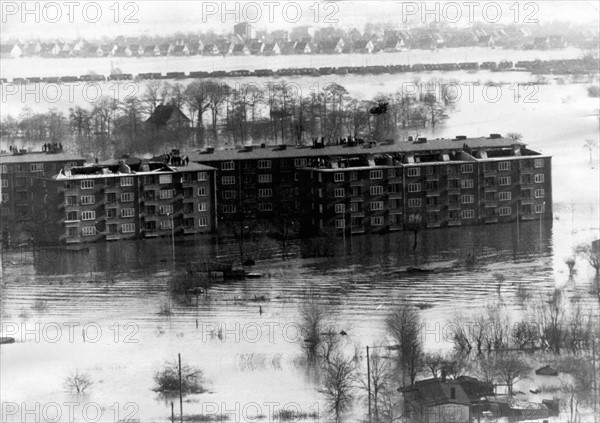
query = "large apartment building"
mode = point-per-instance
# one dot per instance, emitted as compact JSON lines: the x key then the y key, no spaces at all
{"x":129,"y":200}
{"x":428,"y":183}
{"x":20,"y":172}
{"x":370,"y":188}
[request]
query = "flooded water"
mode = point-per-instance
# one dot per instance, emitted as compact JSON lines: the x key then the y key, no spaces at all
{"x":119,"y":289}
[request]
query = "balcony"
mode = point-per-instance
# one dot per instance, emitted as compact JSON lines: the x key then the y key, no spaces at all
{"x":433,"y":193}
{"x":527,"y":217}
{"x":113,"y":237}
{"x":151,"y":234}
{"x":73,"y":240}
{"x":454,"y":191}
{"x":454,"y":206}
{"x":454,"y":176}
{"x":490,"y":173}
{"x":490,"y":203}
{"x":454,"y":222}
{"x":433,"y":207}
{"x":491,"y":189}
{"x":492,"y":219}
{"x":395,"y":196}
{"x":435,"y":224}
{"x":187,"y":231}
{"x":527,"y":171}
{"x":432,"y":178}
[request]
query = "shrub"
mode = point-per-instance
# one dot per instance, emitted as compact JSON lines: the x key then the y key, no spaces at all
{"x":167,"y":380}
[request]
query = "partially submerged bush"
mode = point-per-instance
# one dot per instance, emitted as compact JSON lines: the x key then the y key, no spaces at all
{"x":78,"y":382}
{"x":167,"y":380}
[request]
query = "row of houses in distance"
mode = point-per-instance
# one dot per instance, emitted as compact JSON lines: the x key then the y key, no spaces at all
{"x":246,"y":40}
{"x":353,"y":187}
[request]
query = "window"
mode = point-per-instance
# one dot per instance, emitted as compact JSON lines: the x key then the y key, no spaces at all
{"x":468,"y":214}
{"x":354,"y":207}
{"x":248,"y":179}
{"x":149,"y":179}
{"x":4,"y":169}
{"x":88,"y":215}
{"x":186,"y":177}
{"x":414,"y":187}
{"x":466,"y":168}
{"x":265,"y":179}
{"x":339,"y":193}
{"x":202,"y":207}
{"x":4,"y":183}
{"x":111,"y":213}
{"x":202,"y":176}
{"x":467,"y":199}
{"x":127,"y":197}
{"x":229,"y":208}
{"x":187,"y":192}
{"x":151,"y":225}
{"x":228,"y":180}
{"x":203,"y":222}
{"x":86,"y":200}
{"x":466,"y":183}
{"x":376,"y":174}
{"x":127,"y":212}
{"x":413,"y":171}
{"x":505,"y":211}
{"x":166,"y":225}
{"x":538,"y":163}
{"x":320,"y":192}
{"x":165,"y":179}
{"x":337,"y":177}
{"x":300,"y":162}
{"x":526,"y":193}
{"x":539,"y":208}
{"x":87,"y":184}
{"x":228,"y":195}
{"x":165,"y":210}
{"x":150,"y":210}
{"x":340,"y":208}
{"x":391,"y":173}
{"x":72,"y":216}
{"x":377,"y":221}
{"x":505,"y":196}
{"x":539,"y":193}
{"x":36,"y":167}
{"x":504,"y":166}
{"x":71,"y":200}
{"x":376,"y":205}
{"x":166,"y":194}
{"x":264,"y":164}
{"x":376,"y":190}
{"x":340,"y":223}
{"x":265,"y":207}
{"x":127,"y":181}
{"x":539,"y":178}
{"x":265,"y":193}
{"x":394,"y":189}
{"x":128,"y":228}
{"x":353,"y":176}
{"x":202,"y":192}
{"x":228,"y":165}
{"x":504,"y":180}
{"x":414,"y":202}
{"x":88,"y":231}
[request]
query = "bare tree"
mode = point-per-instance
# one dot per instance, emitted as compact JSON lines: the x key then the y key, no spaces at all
{"x":590,"y":145}
{"x":337,"y":386}
{"x":381,"y":381}
{"x":510,"y":369}
{"x":78,"y":382}
{"x":516,"y":136}
{"x":587,"y":252}
{"x":313,"y":320}
{"x":404,"y":326}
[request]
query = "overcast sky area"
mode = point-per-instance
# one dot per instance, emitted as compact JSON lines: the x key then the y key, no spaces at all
{"x":73,"y":19}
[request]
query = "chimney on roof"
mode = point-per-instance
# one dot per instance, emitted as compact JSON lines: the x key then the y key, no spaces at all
{"x":461,"y":137}
{"x":263,"y":145}
{"x":495,"y":136}
{"x":210,"y":150}
{"x":443,"y":375}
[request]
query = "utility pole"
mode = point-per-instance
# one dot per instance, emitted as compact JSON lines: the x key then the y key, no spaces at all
{"x":595,"y":380}
{"x":369,"y":381}
{"x":173,"y":237}
{"x":180,"y":392}
{"x":541,"y":214}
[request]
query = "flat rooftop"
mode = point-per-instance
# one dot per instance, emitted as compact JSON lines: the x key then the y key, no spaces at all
{"x":38,"y":157}
{"x":433,"y":145}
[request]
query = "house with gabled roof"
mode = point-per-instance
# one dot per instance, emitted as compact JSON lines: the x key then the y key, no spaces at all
{"x":272,"y":49}
{"x":393,"y":45}
{"x":363,"y":46}
{"x":225,"y":47}
{"x":302,"y":47}
{"x":168,"y":116}
{"x":12,"y":51}
{"x":240,"y":50}
{"x":211,"y":50}
{"x":331,"y":46}
{"x":180,"y":50}
{"x":436,"y":400}
{"x":257,"y":47}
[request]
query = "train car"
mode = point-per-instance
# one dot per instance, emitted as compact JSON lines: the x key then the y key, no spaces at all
{"x":175,"y":75}
{"x":218,"y":74}
{"x":69,"y":79}
{"x":3,"y":81}
{"x":51,"y":80}
{"x":342,"y":70}
{"x":35,"y":79}
{"x":92,"y":78}
{"x":263,"y":72}
{"x":417,"y":67}
{"x":488,"y":65}
{"x":468,"y":66}
{"x":120,"y":77}
{"x":20,"y":81}
{"x":240,"y":72}
{"x":505,"y":65}
{"x":326,"y":71}
{"x":198,"y":74}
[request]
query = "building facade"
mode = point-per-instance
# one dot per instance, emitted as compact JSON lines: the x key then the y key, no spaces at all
{"x":20,"y":173}
{"x":114,"y":202}
{"x":375,"y":188}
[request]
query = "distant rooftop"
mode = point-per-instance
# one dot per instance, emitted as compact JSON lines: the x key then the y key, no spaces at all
{"x":95,"y":171}
{"x":38,"y":156}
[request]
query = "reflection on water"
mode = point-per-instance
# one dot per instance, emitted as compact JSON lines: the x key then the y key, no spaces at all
{"x":117,"y":289}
